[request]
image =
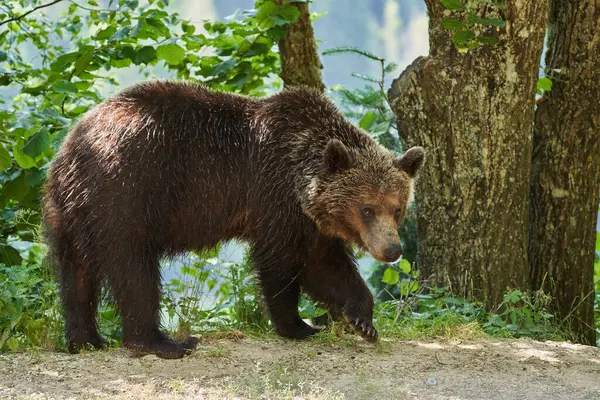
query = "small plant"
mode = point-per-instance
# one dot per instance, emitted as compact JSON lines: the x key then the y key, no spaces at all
{"x":522,"y":314}
{"x":30,"y":311}
{"x":185,"y":299}
{"x":369,"y":106}
{"x":469,"y":29}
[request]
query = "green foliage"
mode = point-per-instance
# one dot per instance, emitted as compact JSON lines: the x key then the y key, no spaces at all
{"x":368,"y":106}
{"x":30,"y":314}
{"x":523,"y":315}
{"x":184,"y":299}
{"x":469,"y":29}
{"x":230,"y":286}
{"x":402,"y":279}
{"x":543,"y":85}
{"x":242,"y":299}
{"x":429,"y":315}
{"x":437,"y":312}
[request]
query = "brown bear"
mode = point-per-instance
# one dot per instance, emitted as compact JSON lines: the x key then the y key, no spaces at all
{"x":165,"y":167}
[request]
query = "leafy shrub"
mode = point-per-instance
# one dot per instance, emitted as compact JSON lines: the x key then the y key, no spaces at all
{"x":30,"y":313}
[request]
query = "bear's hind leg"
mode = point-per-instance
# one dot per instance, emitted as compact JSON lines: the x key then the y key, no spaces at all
{"x":80,"y":291}
{"x":280,"y":283}
{"x":136,"y":287}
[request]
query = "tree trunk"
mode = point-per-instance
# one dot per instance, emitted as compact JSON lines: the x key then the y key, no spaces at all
{"x":300,"y":63}
{"x":566,"y":166}
{"x":472,"y":112}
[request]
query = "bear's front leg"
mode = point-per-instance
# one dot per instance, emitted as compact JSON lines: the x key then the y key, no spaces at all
{"x":331,"y":277}
{"x":278,"y":273}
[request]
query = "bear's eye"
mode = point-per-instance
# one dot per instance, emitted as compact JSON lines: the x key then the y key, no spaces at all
{"x":368,"y":212}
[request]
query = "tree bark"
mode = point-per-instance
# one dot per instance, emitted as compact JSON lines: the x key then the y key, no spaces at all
{"x":300,"y":63}
{"x":566,"y":167}
{"x":473,"y":112}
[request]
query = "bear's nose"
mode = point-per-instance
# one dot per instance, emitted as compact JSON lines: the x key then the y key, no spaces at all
{"x":393,"y":252}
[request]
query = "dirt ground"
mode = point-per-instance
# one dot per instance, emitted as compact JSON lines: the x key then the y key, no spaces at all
{"x":243,"y":368}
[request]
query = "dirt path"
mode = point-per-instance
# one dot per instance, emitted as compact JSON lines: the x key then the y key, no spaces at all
{"x":277,"y":369}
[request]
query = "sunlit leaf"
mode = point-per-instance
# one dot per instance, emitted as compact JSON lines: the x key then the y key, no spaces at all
{"x":5,"y":160}
{"x":37,"y":143}
{"x":390,"y":276}
{"x":171,"y":53}
{"x":544,"y":84}
{"x":367,"y":121}
{"x":404,"y":266}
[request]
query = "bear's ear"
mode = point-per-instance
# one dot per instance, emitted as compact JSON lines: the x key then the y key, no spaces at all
{"x":337,"y":157}
{"x":412,"y":161}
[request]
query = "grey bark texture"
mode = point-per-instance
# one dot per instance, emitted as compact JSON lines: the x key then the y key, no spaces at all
{"x":565,"y":179}
{"x":300,"y":62}
{"x":473,"y":114}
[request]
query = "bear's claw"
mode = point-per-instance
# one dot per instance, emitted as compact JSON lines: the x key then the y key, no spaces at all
{"x":363,"y":328}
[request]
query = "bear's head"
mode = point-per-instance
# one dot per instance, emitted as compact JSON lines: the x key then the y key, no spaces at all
{"x":361,"y":195}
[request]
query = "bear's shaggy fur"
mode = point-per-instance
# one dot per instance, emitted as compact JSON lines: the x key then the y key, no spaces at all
{"x":165,"y":167}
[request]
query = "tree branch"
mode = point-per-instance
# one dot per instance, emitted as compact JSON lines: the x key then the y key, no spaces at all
{"x":29,"y":12}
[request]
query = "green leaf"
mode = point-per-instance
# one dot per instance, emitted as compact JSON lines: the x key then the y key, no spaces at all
{"x":491,"y":40}
{"x":63,"y":62}
{"x":121,"y":34}
{"x":3,"y":56}
{"x":187,"y":27}
{"x":224,"y":67}
{"x":23,"y":159}
{"x":64,"y":87}
{"x":16,"y":188}
{"x":315,"y":15}
{"x":120,"y":63}
{"x":598,"y":241}
{"x":227,"y":41}
{"x":476,"y":19}
{"x":544,"y":84}
{"x":453,"y":24}
{"x":495,"y":22}
{"x":5,"y":160}
{"x":453,"y":5}
{"x":264,"y":16}
{"x":105,"y":33}
{"x":463,"y":36}
{"x":37,"y":143}
{"x":9,"y":255}
{"x":288,"y":14}
{"x":391,"y":276}
{"x":367,"y":121}
{"x":171,"y":53}
{"x":83,"y":61}
{"x":404,"y":266}
{"x":145,"y":55}
{"x":408,"y":287}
